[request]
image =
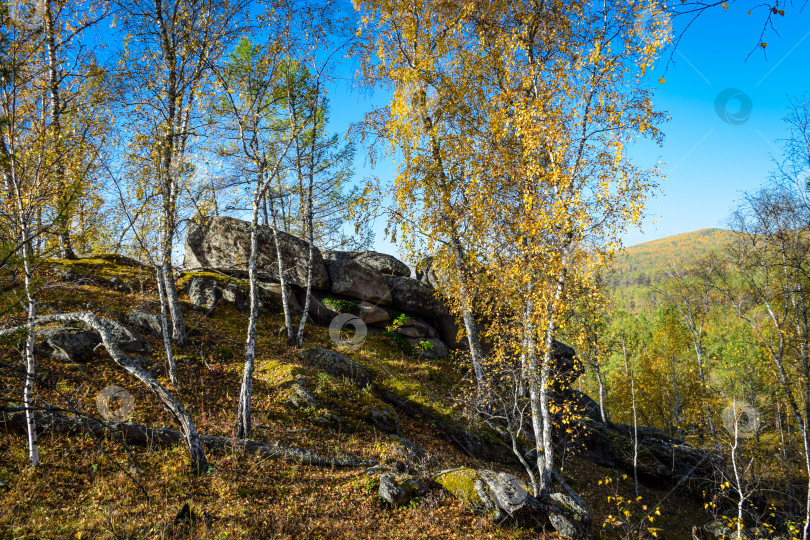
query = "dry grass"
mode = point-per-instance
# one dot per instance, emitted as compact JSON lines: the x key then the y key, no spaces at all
{"x":88,"y":488}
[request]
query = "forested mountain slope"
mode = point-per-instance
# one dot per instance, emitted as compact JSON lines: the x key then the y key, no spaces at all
{"x":640,"y":265}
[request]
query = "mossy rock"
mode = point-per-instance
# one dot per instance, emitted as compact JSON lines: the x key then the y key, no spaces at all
{"x":461,"y":483}
{"x":221,"y":279}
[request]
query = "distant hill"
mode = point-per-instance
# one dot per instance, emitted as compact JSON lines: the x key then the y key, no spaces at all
{"x":642,"y":264}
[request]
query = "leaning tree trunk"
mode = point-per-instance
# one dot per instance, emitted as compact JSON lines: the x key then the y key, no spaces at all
{"x":244,"y":426}
{"x":309,"y":222}
{"x":199,"y":463}
{"x":175,"y":308}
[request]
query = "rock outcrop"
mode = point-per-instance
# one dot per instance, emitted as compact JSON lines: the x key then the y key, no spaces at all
{"x":414,"y":297}
{"x":223,"y":244}
{"x":382,"y":263}
{"x":381,"y":283}
{"x":503,"y":496}
{"x":350,"y":278}
{"x":77,"y":345}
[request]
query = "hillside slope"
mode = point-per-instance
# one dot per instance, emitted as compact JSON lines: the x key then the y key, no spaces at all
{"x":639,"y":265}
{"x":91,"y":485}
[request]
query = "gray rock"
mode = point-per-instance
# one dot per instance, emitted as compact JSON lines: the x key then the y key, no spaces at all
{"x":224,"y":244}
{"x":330,"y":256}
{"x":203,"y":292}
{"x":127,"y":339}
{"x":236,"y":296}
{"x":400,"y":489}
{"x":416,"y":328}
{"x":451,"y":332}
{"x":588,"y":406}
{"x":301,"y":397}
{"x":145,"y":322}
{"x":350,"y":278}
{"x":337,"y":365}
{"x":436,"y":350}
{"x":511,"y":496}
{"x":372,"y":314}
{"x":68,"y":345}
{"x":569,"y":516}
{"x":270,"y":296}
{"x":320,"y":312}
{"x":408,"y":450}
{"x":382,"y":263}
{"x":414,"y":297}
{"x":496,"y":495}
{"x":385,"y":421}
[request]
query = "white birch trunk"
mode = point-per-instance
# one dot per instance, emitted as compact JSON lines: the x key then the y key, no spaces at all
{"x":164,"y":324}
{"x":244,"y":425}
{"x":30,"y":367}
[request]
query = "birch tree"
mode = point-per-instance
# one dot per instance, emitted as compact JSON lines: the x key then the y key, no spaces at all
{"x":70,"y":72}
{"x":770,"y":292}
{"x":517,"y":116}
{"x":249,"y":107}
{"x":170,"y":47}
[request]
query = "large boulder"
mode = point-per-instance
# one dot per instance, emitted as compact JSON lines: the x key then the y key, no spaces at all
{"x":426,"y":273}
{"x":145,"y":322}
{"x":202,"y":292}
{"x":330,"y":256}
{"x":498,"y":496}
{"x":75,"y":345}
{"x":569,"y":516}
{"x":382,"y":263}
{"x":451,"y":332}
{"x":415,"y":328}
{"x":270,"y":296}
{"x":223,"y":243}
{"x":414,"y":297}
{"x":320,"y":312}
{"x":337,"y":365}
{"x":127,"y":339}
{"x":68,"y":345}
{"x":351,"y":278}
{"x":372,"y":314}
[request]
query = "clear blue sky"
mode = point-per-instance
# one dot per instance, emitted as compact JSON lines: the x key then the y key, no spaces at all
{"x":709,"y":162}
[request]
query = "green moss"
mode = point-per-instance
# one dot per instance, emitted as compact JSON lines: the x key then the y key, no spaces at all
{"x":461,"y":483}
{"x":221,"y":279}
{"x":341,"y":304}
{"x":103,"y":265}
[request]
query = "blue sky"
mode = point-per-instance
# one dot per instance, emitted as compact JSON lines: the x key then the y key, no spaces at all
{"x":709,"y":162}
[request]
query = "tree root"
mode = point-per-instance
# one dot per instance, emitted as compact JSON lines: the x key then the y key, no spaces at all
{"x":12,"y":419}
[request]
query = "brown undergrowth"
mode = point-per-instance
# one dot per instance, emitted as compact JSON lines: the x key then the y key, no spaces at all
{"x":101,"y":488}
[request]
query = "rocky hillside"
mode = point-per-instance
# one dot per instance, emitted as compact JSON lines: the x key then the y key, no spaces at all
{"x":355,"y":438}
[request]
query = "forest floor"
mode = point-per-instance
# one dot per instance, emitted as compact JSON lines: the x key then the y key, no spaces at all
{"x":92,"y":487}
